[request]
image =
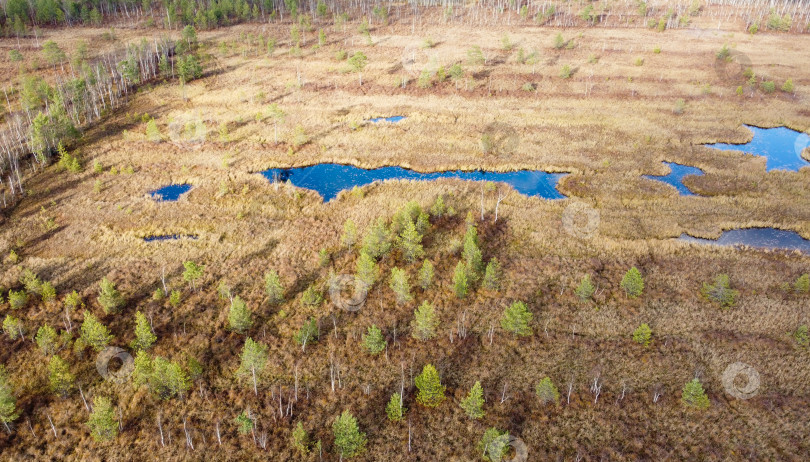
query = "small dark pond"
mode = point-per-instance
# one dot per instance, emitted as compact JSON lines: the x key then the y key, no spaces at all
{"x":765,"y":238}
{"x":171,"y":192}
{"x":329,"y":179}
{"x":169,"y":237}
{"x":392,"y":119}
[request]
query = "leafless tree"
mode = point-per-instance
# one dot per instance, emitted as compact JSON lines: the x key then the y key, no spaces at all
{"x":570,"y":389}
{"x":189,"y":443}
{"x":160,"y":429}
{"x":52,"y":426}
{"x":596,"y":387}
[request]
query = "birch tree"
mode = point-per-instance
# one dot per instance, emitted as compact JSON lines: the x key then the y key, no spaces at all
{"x":253,"y":360}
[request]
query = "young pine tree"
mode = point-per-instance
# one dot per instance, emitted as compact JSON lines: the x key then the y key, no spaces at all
{"x":308,"y":333}
{"x":144,"y":337}
{"x":694,"y":395}
{"x":94,"y":333}
{"x":102,"y":422}
{"x":431,"y":390}
{"x":516,"y":319}
{"x":367,"y":270}
{"x":377,"y":241}
{"x":47,"y":339}
{"x":142,"y":370}
{"x":109,"y":298}
{"x":546,"y":391}
{"x":300,"y":440}
{"x":410,"y":242}
{"x":273,"y":287}
{"x":422,"y":223}
{"x":323,"y":257}
{"x":474,"y":402}
{"x":224,"y":291}
{"x":31,"y":282}
{"x":425,"y":275}
{"x":394,"y":409}
{"x":494,"y":445}
{"x":409,"y":212}
{"x":632,"y":283}
{"x":492,"y":275}
{"x":438,"y":208}
{"x":47,"y":292}
{"x":73,"y":300}
{"x":195,"y":369}
{"x":311,"y":297}
{"x":472,"y":254}
{"x":8,"y":403}
{"x":158,"y":294}
{"x":240,"y":318}
{"x":801,"y":335}
{"x":13,"y":327}
{"x":460,"y":280}
{"x":244,"y":422}
{"x":373,"y":340}
{"x":192,"y":272}
{"x":399,"y":284}
{"x":174,"y":298}
{"x":642,"y":335}
{"x":585,"y":289}
{"x":349,"y":236}
{"x":425,"y":322}
{"x":802,"y":284}
{"x":720,"y":292}
{"x":59,"y":376}
{"x":17,"y":299}
{"x":168,"y":379}
{"x":152,"y":131}
{"x":349,"y":440}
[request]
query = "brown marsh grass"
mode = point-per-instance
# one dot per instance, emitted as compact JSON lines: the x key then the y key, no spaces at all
{"x":606,"y":139}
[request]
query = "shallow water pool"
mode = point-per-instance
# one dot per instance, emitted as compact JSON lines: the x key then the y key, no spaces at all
{"x":330,"y":179}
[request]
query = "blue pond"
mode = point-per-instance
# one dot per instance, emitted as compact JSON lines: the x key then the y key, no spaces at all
{"x":766,"y":238}
{"x":167,"y":237}
{"x":675,"y":177}
{"x":329,"y":179}
{"x":393,"y":119}
{"x":171,"y":192}
{"x":781,"y":146}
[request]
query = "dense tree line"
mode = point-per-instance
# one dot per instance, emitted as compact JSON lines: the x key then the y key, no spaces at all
{"x":18,"y":15}
{"x":50,"y":116}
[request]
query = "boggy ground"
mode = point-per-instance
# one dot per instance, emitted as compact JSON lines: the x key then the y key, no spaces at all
{"x":607,"y":139}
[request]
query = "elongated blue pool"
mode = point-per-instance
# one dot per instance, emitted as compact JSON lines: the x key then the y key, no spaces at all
{"x":330,"y":179}
{"x":763,"y":238}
